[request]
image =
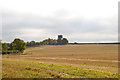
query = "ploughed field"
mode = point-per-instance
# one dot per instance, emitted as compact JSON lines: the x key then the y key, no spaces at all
{"x":63,"y":61}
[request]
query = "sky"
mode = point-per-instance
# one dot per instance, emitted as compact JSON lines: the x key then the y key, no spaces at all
{"x":76,"y":20}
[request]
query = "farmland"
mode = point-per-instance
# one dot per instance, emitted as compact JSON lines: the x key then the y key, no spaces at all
{"x":63,"y":61}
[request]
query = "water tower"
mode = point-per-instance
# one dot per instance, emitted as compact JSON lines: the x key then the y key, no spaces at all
{"x":59,"y":40}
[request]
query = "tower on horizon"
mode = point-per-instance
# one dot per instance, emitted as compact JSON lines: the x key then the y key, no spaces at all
{"x":59,"y":40}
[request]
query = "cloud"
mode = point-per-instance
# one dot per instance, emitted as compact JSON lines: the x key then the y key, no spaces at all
{"x":91,"y":37}
{"x":34,"y":34}
{"x":34,"y":27}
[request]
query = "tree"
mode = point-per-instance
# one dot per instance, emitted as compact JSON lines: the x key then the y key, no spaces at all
{"x":51,"y":41}
{"x":64,"y":41}
{"x":28,"y":44}
{"x":4,"y":48}
{"x":32,"y":43}
{"x":18,"y":45}
{"x":41,"y":43}
{"x":10,"y":46}
{"x":37,"y":43}
{"x":45,"y":42}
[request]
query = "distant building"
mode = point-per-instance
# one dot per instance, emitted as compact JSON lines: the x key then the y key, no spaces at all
{"x":59,"y":40}
{"x":60,"y":36}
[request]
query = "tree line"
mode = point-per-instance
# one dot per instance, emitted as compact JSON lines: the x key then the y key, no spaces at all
{"x":48,"y":41}
{"x":18,"y":45}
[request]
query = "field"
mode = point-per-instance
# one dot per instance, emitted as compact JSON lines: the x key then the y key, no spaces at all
{"x":63,"y":61}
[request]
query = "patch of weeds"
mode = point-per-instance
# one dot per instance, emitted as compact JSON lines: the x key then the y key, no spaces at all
{"x":55,"y":75}
{"x":28,"y":68}
{"x":37,"y":69}
{"x":51,"y":65}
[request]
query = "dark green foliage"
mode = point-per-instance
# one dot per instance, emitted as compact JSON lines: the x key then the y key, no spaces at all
{"x":64,"y":41}
{"x":59,"y":42}
{"x":10,"y":46}
{"x":18,"y":45}
{"x":49,"y":41}
{"x":32,"y":43}
{"x":4,"y":48}
{"x":37,"y":43}
{"x":28,"y":44}
{"x":44,"y":42}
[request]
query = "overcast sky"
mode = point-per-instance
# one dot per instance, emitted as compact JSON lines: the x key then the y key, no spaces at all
{"x":77,"y":20}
